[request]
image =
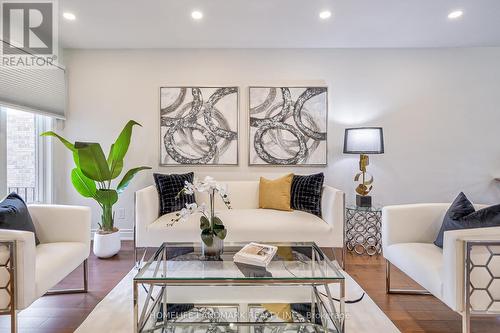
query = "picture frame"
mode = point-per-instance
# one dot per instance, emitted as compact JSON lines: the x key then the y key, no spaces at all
{"x":279,"y":133}
{"x":199,"y":125}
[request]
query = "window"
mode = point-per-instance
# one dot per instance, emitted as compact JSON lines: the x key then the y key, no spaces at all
{"x":24,"y":155}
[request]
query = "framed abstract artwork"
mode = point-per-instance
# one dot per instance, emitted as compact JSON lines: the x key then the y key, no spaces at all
{"x":199,"y":125}
{"x":288,"y":125}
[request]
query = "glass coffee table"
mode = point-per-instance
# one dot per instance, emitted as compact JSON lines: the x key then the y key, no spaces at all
{"x":185,"y":292}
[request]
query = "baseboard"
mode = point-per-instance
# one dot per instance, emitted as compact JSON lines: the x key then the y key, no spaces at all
{"x":125,"y":234}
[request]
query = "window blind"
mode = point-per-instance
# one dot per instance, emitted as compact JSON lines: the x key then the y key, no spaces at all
{"x":39,"y":90}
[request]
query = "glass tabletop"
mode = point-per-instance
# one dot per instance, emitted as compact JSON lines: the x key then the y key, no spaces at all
{"x":183,"y":263}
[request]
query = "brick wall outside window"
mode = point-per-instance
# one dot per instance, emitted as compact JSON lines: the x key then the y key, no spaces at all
{"x":21,"y":150}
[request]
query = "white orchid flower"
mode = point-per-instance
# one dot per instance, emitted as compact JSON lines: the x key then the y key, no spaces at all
{"x":222,"y":189}
{"x":202,"y":187}
{"x":183,"y":214}
{"x":188,"y":188}
{"x":210,"y":185}
{"x":191,"y":207}
{"x":203,"y":208}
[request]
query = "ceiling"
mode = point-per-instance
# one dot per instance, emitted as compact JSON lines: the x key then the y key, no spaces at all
{"x":279,"y":24}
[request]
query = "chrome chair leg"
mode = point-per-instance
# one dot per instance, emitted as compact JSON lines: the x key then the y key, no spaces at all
{"x":77,"y":290}
{"x":13,"y":322}
{"x":389,"y":290}
{"x":466,"y":323}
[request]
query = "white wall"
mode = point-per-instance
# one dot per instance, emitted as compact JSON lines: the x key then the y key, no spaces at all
{"x":440,"y":109}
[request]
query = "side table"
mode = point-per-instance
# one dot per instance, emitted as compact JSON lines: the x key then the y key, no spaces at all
{"x":363,"y":230}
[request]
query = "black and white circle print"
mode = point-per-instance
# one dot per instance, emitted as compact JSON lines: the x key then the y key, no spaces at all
{"x":199,"y":125}
{"x":288,"y":125}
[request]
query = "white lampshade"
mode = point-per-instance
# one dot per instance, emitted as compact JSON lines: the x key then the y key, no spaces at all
{"x":364,"y":140}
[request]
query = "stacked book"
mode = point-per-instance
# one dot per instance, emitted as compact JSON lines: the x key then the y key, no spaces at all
{"x":255,"y":254}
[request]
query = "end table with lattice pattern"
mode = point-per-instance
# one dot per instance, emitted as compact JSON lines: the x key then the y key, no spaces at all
{"x":363,"y":227}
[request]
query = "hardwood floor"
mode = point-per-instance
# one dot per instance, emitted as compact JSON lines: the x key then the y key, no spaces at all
{"x":64,"y":313}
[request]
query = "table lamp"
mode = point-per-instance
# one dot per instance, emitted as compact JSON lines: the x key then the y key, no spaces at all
{"x":363,"y":141}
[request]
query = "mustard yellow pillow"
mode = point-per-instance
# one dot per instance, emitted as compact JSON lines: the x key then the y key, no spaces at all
{"x":275,"y":194}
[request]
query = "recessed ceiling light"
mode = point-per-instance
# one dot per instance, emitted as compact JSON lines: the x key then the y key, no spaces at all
{"x":69,"y":16}
{"x":325,"y":14}
{"x":197,"y":15}
{"x":455,"y":14}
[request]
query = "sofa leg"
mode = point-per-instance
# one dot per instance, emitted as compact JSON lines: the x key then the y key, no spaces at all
{"x":387,"y":276}
{"x":137,"y":264}
{"x":344,"y":249}
{"x":389,"y":290}
{"x":136,"y":260}
{"x":341,"y":256}
{"x":78,"y":290}
{"x":141,"y":260}
{"x":85,"y":275}
{"x":135,"y":255}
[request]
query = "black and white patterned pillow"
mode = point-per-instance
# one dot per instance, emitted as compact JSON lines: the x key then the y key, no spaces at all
{"x":306,"y":193}
{"x":168,"y":187}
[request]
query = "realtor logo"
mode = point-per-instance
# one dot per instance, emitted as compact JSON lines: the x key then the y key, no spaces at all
{"x":27,"y":28}
{"x":29,"y":33}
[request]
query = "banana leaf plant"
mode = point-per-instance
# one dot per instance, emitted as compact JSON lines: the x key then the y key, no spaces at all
{"x":93,"y":172}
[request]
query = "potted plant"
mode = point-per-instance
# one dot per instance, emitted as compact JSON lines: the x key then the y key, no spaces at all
{"x":212,"y":229}
{"x":92,"y":178}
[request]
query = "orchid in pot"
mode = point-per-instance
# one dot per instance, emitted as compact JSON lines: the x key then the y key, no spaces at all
{"x":212,"y":228}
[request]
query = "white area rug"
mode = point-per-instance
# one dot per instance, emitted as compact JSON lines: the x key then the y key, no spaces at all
{"x":115,"y":312}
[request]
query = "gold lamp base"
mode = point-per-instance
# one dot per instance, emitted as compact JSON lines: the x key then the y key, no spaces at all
{"x":365,"y":183}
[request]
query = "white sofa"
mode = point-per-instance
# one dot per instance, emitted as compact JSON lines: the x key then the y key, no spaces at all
{"x":64,"y":234}
{"x":408,"y":233}
{"x":245,"y":222}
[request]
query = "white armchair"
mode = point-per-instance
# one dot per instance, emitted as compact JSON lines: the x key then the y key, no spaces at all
{"x":28,"y":272}
{"x":408,"y":233}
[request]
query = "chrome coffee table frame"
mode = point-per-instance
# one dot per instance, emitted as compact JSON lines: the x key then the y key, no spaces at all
{"x":319,"y":281}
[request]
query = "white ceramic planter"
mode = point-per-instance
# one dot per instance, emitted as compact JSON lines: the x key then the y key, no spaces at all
{"x":107,"y":245}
